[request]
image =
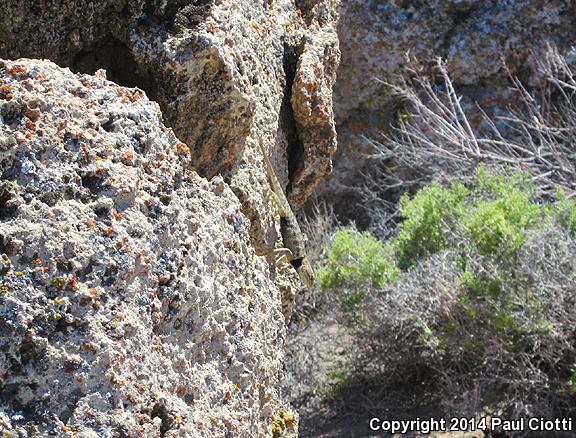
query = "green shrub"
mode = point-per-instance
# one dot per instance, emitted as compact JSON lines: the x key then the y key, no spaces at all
{"x":487,"y":222}
{"x":483,"y":285}
{"x":482,"y":226}
{"x":490,"y":218}
{"x":356,"y":261}
{"x":355,"y":258}
{"x":501,"y":212}
{"x":426,"y":217}
{"x":494,"y":213}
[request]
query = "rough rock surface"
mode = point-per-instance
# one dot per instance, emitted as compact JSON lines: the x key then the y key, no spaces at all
{"x":220,"y":69}
{"x":132,"y":302}
{"x":473,"y":36}
{"x":227,"y":74}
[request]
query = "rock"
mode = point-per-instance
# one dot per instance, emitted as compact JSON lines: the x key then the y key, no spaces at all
{"x":312,"y":108}
{"x":221,"y":70}
{"x":473,"y":36}
{"x":132,"y":302}
{"x":226,"y":74}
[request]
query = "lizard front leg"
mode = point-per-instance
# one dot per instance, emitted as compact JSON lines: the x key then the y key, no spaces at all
{"x":283,"y":255}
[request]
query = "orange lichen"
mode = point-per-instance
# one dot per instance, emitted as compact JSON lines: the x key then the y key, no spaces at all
{"x":6,"y":91}
{"x":29,"y":124}
{"x":89,"y":346}
{"x":212,"y":28}
{"x":136,"y":95}
{"x":16,"y":70}
{"x":321,"y":109}
{"x":128,"y":154}
{"x":72,"y":282}
{"x":183,"y":148}
{"x":32,"y":113}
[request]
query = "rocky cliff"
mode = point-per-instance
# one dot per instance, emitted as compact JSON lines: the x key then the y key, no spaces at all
{"x":135,"y":299}
{"x":223,"y":71}
{"x":140,"y":294}
{"x":226,"y":74}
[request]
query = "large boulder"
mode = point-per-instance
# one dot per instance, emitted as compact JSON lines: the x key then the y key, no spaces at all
{"x":132,"y":302}
{"x":223,"y":71}
{"x":227,"y":75}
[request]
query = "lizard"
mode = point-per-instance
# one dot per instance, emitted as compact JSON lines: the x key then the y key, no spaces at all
{"x":293,"y":238}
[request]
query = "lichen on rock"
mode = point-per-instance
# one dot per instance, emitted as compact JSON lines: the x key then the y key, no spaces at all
{"x":132,"y":302}
{"x":226,"y":74}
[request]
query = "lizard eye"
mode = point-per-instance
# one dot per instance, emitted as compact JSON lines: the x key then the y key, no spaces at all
{"x":297,"y":262}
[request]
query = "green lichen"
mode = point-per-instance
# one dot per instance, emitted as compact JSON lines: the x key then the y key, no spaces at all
{"x":59,"y":282}
{"x":281,"y":421}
